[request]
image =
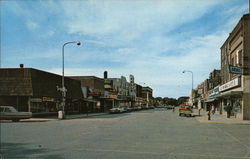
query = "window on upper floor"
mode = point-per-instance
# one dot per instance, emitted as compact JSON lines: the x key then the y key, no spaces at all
{"x":239,"y":57}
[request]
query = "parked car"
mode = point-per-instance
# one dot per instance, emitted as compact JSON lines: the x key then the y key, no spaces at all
{"x":118,"y":110}
{"x":170,"y":107}
{"x":122,"y":109}
{"x":185,"y":110}
{"x":114,"y":110}
{"x":130,"y":109}
{"x":10,"y":113}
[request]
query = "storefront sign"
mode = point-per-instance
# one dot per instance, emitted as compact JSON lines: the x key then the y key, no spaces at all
{"x":48,"y":99}
{"x":35,"y":100}
{"x":235,"y":69}
{"x":112,"y":96}
{"x":94,"y":94}
{"x":214,"y":92}
{"x":200,"y":91}
{"x":231,"y":84}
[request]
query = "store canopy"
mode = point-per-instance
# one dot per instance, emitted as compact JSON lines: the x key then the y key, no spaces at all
{"x":232,"y":93}
{"x":209,"y":100}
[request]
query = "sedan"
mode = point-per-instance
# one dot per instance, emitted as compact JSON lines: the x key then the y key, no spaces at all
{"x":114,"y":110}
{"x":10,"y":113}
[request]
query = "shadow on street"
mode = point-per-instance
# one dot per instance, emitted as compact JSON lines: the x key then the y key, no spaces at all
{"x":23,"y":150}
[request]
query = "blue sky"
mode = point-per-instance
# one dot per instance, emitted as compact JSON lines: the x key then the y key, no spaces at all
{"x":155,"y":40}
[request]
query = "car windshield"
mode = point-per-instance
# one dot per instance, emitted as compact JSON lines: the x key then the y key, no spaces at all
{"x":12,"y":109}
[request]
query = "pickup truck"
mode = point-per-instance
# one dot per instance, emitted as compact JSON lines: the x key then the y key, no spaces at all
{"x":185,"y":110}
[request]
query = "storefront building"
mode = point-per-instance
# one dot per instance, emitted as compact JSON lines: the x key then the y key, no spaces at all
{"x":213,"y":100}
{"x":231,"y":94}
{"x":36,"y":91}
{"x":92,"y":89}
{"x":235,"y":69}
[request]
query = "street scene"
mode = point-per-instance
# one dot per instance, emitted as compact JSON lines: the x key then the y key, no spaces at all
{"x":129,"y":135}
{"x":128,"y":79}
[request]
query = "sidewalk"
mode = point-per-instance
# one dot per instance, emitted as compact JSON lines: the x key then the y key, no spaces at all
{"x":55,"y":118}
{"x":218,"y":119}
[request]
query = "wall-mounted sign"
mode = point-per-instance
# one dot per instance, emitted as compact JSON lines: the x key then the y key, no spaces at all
{"x":112,"y":96}
{"x":214,"y":92}
{"x":35,"y":100}
{"x":48,"y":99}
{"x":231,"y":84}
{"x":235,"y":69}
{"x":107,"y":84}
{"x":200,"y":91}
{"x":94,"y":94}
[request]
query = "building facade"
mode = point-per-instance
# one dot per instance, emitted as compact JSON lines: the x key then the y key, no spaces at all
{"x":36,"y":91}
{"x":92,"y":89}
{"x":147,"y":94}
{"x":235,"y":69}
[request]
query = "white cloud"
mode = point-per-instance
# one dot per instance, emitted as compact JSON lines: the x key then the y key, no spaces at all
{"x":31,"y":25}
{"x":130,"y":19}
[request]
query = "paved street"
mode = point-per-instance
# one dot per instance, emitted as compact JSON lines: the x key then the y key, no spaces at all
{"x":150,"y":134}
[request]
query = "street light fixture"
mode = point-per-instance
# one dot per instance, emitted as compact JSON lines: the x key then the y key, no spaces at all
{"x":61,"y":114}
{"x":192,"y":82}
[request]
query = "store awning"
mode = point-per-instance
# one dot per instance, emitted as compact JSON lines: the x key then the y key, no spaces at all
{"x":90,"y":100}
{"x":209,"y":100}
{"x":232,"y":93}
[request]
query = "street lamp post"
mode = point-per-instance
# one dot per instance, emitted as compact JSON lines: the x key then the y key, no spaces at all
{"x":63,"y":89}
{"x":192,"y":82}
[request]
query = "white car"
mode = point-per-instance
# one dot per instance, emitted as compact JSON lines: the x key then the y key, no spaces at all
{"x":122,"y":109}
{"x":114,"y":110}
{"x":10,"y":113}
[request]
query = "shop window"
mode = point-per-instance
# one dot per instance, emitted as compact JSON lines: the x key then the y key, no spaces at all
{"x":237,"y":106}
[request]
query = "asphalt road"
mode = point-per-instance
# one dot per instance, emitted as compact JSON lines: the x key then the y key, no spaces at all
{"x":151,"y":134}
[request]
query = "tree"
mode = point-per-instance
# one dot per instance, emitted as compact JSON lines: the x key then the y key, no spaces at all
{"x":182,"y":100}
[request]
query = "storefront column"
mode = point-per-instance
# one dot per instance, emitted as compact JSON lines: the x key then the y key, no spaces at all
{"x":246,"y":97}
{"x":29,"y":104}
{"x":246,"y":106}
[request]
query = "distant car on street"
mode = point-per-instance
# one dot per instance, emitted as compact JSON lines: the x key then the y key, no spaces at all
{"x":118,"y":110}
{"x":185,"y":110}
{"x":10,"y":113}
{"x":130,"y":109}
{"x":122,"y":109}
{"x":170,"y":107}
{"x":114,"y":110}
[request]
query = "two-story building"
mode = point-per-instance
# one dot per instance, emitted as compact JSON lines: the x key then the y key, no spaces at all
{"x":235,"y":69}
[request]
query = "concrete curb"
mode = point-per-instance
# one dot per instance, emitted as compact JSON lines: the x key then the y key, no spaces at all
{"x":48,"y":119}
{"x":223,"y":122}
{"x":85,"y":116}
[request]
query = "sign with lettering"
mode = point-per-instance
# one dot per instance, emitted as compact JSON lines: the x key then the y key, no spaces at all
{"x":235,"y":69}
{"x":214,"y":92}
{"x":35,"y":100}
{"x":231,"y":84}
{"x":48,"y":99}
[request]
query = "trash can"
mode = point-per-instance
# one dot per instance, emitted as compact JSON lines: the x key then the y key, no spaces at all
{"x":60,"y":114}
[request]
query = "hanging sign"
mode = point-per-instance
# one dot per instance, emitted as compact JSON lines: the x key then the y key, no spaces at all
{"x":235,"y":69}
